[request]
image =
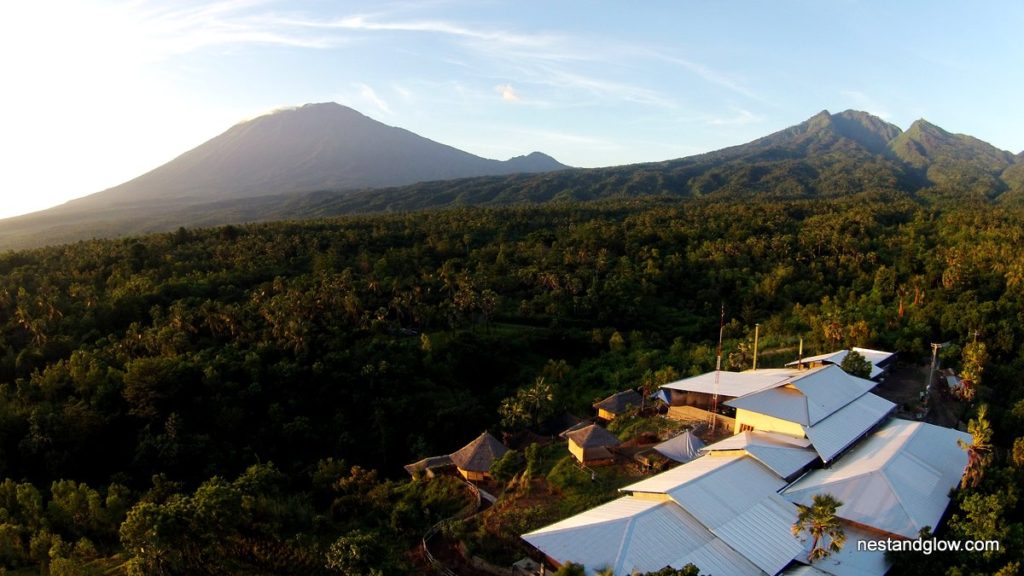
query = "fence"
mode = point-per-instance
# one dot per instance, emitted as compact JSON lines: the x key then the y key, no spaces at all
{"x":463,"y":514}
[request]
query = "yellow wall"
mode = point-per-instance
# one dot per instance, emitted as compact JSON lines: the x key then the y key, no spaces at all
{"x":766,"y":423}
{"x":606,"y":415}
{"x":474,"y":476}
{"x":576,"y":451}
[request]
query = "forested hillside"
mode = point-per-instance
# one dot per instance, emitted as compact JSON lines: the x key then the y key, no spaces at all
{"x":194,"y":402}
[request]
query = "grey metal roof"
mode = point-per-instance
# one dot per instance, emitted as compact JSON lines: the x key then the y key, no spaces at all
{"x":635,"y":534}
{"x":478,"y":455}
{"x":840,"y":430}
{"x":877,"y":358}
{"x":808,"y":397}
{"x":897,"y":480}
{"x":784,"y":455}
{"x":730,"y":384}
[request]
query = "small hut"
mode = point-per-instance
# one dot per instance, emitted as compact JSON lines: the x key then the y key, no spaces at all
{"x":591,"y":445}
{"x":617,"y":404}
{"x":474,"y":460}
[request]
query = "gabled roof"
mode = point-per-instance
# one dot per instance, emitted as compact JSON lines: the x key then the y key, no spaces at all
{"x":808,"y":397}
{"x":878,"y":358}
{"x":593,"y":436}
{"x":782,"y":454}
{"x":896,"y":480}
{"x":635,"y":534}
{"x":478,"y":455}
{"x":849,"y":561}
{"x":730,"y":384}
{"x":840,"y":430}
{"x":736,"y":498}
{"x":681,"y":448}
{"x":620,"y":401}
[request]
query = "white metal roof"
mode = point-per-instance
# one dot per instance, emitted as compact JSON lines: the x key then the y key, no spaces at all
{"x":633,"y":534}
{"x":897,"y":480}
{"x":876,"y":357}
{"x":739,"y":503}
{"x":730,"y":384}
{"x":848,"y":561}
{"x":664,"y":482}
{"x":784,"y":455}
{"x":808,"y":397}
{"x":840,"y":430}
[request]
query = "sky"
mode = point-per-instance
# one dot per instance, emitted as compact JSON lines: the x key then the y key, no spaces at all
{"x":98,"y":92}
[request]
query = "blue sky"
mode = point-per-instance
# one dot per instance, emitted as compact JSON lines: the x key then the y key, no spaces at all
{"x":99,"y":92}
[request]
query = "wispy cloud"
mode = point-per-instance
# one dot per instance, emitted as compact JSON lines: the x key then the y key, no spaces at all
{"x":371,"y":96}
{"x":508,"y":93}
{"x":740,"y":118}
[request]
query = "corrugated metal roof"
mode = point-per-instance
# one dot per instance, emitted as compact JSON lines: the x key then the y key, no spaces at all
{"x":739,"y":503}
{"x":849,"y":561}
{"x":667,"y":481}
{"x":808,"y":397}
{"x":681,"y":448}
{"x":876,"y":357}
{"x":730,"y":384}
{"x":784,"y":402}
{"x":840,"y":430}
{"x":634,"y":534}
{"x":896,"y":480}
{"x":759,"y":438}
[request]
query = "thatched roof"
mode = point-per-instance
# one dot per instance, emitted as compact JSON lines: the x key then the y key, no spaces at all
{"x":620,"y":402}
{"x":478,"y":455}
{"x":593,"y":436}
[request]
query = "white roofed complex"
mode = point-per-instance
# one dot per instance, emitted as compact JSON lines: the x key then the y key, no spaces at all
{"x":878,"y":359}
{"x":731,"y":511}
{"x":896,"y":481}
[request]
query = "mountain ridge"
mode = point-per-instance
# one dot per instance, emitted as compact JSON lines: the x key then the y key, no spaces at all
{"x":826,"y":156}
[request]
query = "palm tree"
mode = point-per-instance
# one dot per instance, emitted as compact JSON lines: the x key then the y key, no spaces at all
{"x":979,"y":451}
{"x":820,"y":521}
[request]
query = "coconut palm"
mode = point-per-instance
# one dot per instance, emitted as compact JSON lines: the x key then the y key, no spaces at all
{"x":820,"y":521}
{"x":979,"y":451}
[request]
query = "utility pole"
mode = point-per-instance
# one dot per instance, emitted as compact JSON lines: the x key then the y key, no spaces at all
{"x":756,"y":328}
{"x":931,"y":373}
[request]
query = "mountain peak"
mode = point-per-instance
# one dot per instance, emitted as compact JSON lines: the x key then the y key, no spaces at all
{"x":317,"y":146}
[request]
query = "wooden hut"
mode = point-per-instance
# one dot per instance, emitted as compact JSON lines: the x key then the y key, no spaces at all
{"x":591,"y":445}
{"x":618,"y":404}
{"x":473,"y":461}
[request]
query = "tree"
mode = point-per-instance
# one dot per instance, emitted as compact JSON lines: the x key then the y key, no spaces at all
{"x":974,"y":358}
{"x":571,"y":569}
{"x":856,"y":364}
{"x":529,"y":406}
{"x":979,"y":451}
{"x":819,"y":520}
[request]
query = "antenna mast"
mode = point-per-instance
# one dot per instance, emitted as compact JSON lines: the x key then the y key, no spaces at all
{"x":718,"y":370}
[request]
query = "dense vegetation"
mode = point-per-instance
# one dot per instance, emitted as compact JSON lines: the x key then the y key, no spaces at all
{"x":235,"y":400}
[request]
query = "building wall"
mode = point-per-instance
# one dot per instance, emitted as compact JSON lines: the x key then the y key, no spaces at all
{"x":604,"y":414}
{"x":576,"y":451}
{"x":473,"y":476}
{"x":766,"y":423}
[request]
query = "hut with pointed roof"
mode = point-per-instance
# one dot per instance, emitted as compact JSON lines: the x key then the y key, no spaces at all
{"x":592,"y":445}
{"x":473,"y":461}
